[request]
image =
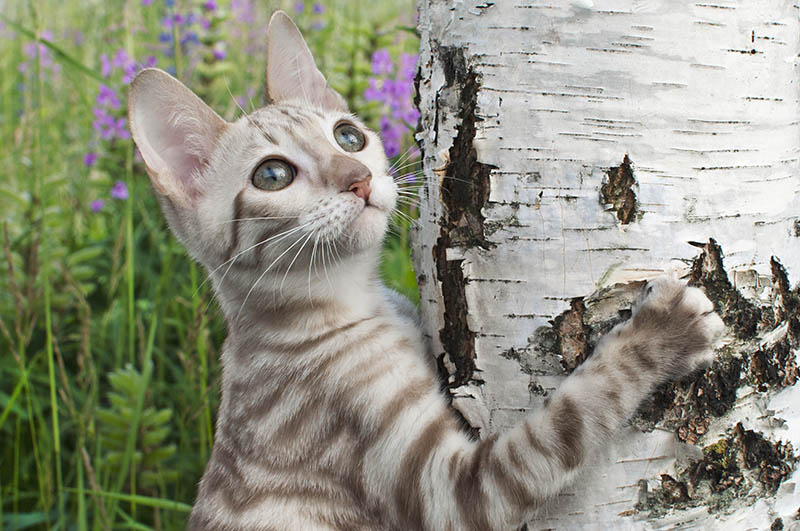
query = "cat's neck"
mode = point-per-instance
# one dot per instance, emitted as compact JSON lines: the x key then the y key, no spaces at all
{"x":302,"y":302}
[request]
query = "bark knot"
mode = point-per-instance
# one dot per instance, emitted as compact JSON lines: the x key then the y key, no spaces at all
{"x":619,"y":191}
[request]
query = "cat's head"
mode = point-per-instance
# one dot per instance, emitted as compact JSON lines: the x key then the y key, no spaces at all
{"x":267,"y":187}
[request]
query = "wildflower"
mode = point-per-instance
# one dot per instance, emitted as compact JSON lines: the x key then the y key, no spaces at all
{"x":210,"y":5}
{"x":90,"y":158}
{"x":318,"y":8}
{"x":147,"y":2}
{"x":97,"y":205}
{"x":119,"y":190}
{"x":299,"y":7}
{"x":408,"y":66}
{"x":105,"y":65}
{"x":107,"y":96}
{"x":391,"y":135}
{"x":219,"y":53}
{"x":395,"y":94}
{"x":382,"y":62}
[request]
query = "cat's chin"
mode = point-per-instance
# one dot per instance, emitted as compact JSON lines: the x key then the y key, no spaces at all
{"x":368,"y":228}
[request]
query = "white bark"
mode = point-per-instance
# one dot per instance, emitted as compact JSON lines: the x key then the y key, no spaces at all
{"x":703,"y":99}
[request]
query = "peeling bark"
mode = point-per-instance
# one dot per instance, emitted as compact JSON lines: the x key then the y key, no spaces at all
{"x":540,"y":231}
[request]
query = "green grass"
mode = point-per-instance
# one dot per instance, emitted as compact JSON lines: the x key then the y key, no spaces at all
{"x":109,"y":372}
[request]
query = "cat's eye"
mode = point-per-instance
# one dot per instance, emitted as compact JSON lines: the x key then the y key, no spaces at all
{"x":349,"y":137}
{"x":273,"y":174}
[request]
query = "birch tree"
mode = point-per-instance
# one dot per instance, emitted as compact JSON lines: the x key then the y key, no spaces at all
{"x":574,"y":149}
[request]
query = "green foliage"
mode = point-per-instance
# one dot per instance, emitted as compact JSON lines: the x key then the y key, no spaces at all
{"x":152,"y":449}
{"x":109,"y":374}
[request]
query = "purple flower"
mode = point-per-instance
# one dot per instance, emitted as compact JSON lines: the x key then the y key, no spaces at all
{"x":190,"y":37}
{"x":391,"y":135}
{"x":121,"y":59}
{"x":219,"y":53}
{"x":147,"y":2}
{"x":121,"y":128}
{"x":299,"y":7}
{"x":130,"y":73}
{"x":107,"y":96}
{"x":318,"y":8}
{"x":105,"y":68}
{"x":103,"y":123}
{"x":210,"y":5}
{"x":119,"y":190}
{"x":109,"y":127}
{"x":318,"y":25}
{"x":97,"y":205}
{"x":408,"y":66}
{"x":381,"y":62}
{"x":90,"y":158}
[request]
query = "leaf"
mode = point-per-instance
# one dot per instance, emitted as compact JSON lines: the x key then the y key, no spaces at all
{"x":147,"y":501}
{"x":58,"y":53}
{"x":86,"y":254}
{"x":23,"y":520}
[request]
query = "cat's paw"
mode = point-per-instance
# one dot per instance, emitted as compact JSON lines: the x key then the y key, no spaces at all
{"x":676,"y":326}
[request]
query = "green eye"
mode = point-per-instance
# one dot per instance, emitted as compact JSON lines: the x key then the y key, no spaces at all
{"x":349,"y":137}
{"x":273,"y":174}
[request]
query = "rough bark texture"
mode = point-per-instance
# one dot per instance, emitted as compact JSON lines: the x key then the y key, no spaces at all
{"x":575,"y":149}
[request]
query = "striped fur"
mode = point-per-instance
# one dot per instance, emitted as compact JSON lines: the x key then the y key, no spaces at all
{"x":331,"y":415}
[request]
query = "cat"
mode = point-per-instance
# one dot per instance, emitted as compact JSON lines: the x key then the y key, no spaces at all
{"x":332,"y":416}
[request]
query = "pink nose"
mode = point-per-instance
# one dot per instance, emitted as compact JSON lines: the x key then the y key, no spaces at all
{"x":361,"y":188}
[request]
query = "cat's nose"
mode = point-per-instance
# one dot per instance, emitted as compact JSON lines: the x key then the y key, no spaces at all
{"x":361,"y":188}
{"x":349,"y":175}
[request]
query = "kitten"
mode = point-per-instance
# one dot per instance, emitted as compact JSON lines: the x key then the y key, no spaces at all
{"x":331,"y":415}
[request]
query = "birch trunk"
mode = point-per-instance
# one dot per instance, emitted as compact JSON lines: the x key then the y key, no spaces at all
{"x":572,"y":149}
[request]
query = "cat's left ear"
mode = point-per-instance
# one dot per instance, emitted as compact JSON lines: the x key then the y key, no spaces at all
{"x":175,"y":133}
{"x":291,"y":71}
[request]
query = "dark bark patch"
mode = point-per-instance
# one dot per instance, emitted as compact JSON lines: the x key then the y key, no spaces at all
{"x":572,"y":335}
{"x":619,"y":191}
{"x":708,"y":272}
{"x":718,"y":477}
{"x":775,"y":365}
{"x":687,"y":405}
{"x":464,"y":192}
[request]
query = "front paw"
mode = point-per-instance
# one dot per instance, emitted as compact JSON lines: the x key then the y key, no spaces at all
{"x":677,"y":326}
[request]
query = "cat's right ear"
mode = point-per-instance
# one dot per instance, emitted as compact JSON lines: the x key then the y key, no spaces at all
{"x":174,"y":131}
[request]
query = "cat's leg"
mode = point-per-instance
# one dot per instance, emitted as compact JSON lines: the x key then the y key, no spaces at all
{"x":497,"y":483}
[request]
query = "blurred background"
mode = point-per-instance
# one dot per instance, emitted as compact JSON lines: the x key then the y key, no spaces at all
{"x":109,"y":337}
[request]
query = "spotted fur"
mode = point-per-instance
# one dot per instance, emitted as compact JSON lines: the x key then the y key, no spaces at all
{"x":331,"y":415}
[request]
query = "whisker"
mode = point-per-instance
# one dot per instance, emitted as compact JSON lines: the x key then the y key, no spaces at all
{"x":253,"y":219}
{"x":239,"y":313}
{"x":406,"y":154}
{"x":237,"y":255}
{"x":300,"y":250}
{"x":407,"y":165}
{"x":326,"y":250}
{"x":310,"y":262}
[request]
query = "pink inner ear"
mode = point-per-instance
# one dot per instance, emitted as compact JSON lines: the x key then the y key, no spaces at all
{"x":175,"y":132}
